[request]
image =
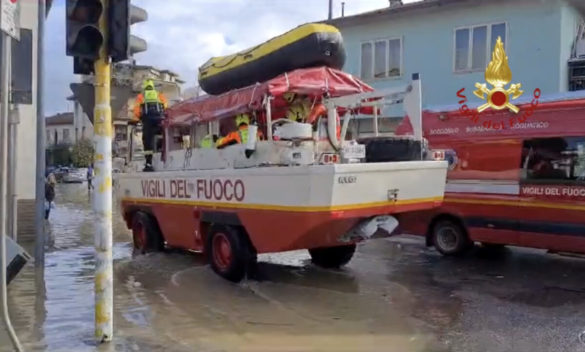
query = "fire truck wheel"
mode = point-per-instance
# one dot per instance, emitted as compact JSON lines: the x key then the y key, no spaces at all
{"x":229,"y":252}
{"x":332,"y":257}
{"x":146,"y":234}
{"x":450,"y":238}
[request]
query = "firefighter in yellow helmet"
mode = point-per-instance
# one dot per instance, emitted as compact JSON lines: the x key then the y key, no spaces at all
{"x":299,"y":108}
{"x":149,"y":108}
{"x":239,"y":136}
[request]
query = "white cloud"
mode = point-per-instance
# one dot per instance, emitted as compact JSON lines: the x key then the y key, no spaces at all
{"x":183,"y":34}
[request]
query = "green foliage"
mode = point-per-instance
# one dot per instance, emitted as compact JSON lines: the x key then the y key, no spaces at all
{"x":82,"y":153}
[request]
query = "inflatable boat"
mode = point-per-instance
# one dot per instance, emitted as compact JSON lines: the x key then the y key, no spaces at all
{"x":305,"y":46}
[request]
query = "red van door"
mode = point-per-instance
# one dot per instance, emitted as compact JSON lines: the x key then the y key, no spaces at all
{"x":552,"y":192}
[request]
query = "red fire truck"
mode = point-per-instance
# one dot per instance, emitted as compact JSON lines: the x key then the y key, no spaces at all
{"x":514,"y":179}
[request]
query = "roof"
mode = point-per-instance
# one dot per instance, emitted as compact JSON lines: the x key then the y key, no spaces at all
{"x":384,"y":13}
{"x":391,"y":11}
{"x":170,"y":72}
{"x":314,"y":82}
{"x":65,"y":118}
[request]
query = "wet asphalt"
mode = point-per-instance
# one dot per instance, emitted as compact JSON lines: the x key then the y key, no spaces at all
{"x":395,"y":295}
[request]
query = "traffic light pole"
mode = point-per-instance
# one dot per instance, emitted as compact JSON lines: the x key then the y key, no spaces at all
{"x":104,"y":286}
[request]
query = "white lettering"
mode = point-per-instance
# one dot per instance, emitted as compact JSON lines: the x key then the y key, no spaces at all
{"x":531,"y":125}
{"x":444,"y":131}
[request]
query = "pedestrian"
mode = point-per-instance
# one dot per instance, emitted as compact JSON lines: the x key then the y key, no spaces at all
{"x":89,"y":177}
{"x":49,"y":194}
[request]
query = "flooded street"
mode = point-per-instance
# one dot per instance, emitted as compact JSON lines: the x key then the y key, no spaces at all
{"x":395,"y":295}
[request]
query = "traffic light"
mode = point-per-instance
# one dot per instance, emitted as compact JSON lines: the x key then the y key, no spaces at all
{"x":121,"y":44}
{"x":84,"y":37}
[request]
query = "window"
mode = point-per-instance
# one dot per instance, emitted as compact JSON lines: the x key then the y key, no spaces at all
{"x":381,"y":59}
{"x":22,"y":65}
{"x":366,"y":71}
{"x":365,"y":126}
{"x":48,"y":134}
{"x":83,"y":132}
{"x":554,"y":160}
{"x":472,"y":52}
{"x":65,"y":135}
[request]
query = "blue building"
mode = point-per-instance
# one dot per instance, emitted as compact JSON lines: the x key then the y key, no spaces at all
{"x":449,"y":42}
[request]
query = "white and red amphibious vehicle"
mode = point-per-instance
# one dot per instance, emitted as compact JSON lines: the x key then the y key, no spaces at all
{"x":301,"y":186}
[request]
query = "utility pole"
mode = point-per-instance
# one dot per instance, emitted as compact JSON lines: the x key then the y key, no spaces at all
{"x":98,"y":32}
{"x":87,"y":40}
{"x":102,"y":124}
{"x":330,"y":9}
{"x":40,"y":176}
{"x":343,"y":9}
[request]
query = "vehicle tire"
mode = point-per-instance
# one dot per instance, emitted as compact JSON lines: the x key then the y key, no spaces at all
{"x":228,"y":251}
{"x":146,"y":234}
{"x":332,"y":257}
{"x":450,"y":238}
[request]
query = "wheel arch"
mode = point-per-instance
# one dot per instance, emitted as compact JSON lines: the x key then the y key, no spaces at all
{"x":440,"y":217}
{"x":210,"y":218}
{"x":132,"y":210}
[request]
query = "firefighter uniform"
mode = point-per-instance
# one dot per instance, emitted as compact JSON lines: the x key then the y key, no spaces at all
{"x":149,"y":108}
{"x":299,"y":108}
{"x":239,"y":136}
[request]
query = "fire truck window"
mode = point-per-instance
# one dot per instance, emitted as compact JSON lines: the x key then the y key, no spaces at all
{"x":554,"y":160}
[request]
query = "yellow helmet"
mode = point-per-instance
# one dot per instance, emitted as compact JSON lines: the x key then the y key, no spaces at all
{"x":148,"y":83}
{"x":289,"y":96}
{"x":242,"y":119}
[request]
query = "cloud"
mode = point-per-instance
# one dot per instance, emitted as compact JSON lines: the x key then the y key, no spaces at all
{"x":183,"y":34}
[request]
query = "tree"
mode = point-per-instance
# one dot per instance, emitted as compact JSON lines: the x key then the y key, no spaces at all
{"x":82,"y":153}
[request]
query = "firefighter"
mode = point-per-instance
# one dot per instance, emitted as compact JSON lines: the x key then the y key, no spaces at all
{"x":239,"y":136}
{"x":299,"y":108}
{"x":149,"y":108}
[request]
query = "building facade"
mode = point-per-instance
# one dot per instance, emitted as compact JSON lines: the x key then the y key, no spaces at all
{"x":24,"y":95}
{"x":68,"y":128}
{"x":449,"y":43}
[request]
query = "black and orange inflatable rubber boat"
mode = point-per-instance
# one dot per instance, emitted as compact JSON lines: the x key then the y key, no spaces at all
{"x":305,"y":46}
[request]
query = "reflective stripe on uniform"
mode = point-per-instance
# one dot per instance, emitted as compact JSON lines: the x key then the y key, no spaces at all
{"x":243,"y":135}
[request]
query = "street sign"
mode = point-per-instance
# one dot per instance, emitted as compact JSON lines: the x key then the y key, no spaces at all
{"x":10,"y":18}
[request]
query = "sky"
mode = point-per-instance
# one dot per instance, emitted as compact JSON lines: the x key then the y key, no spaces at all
{"x":183,"y":34}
